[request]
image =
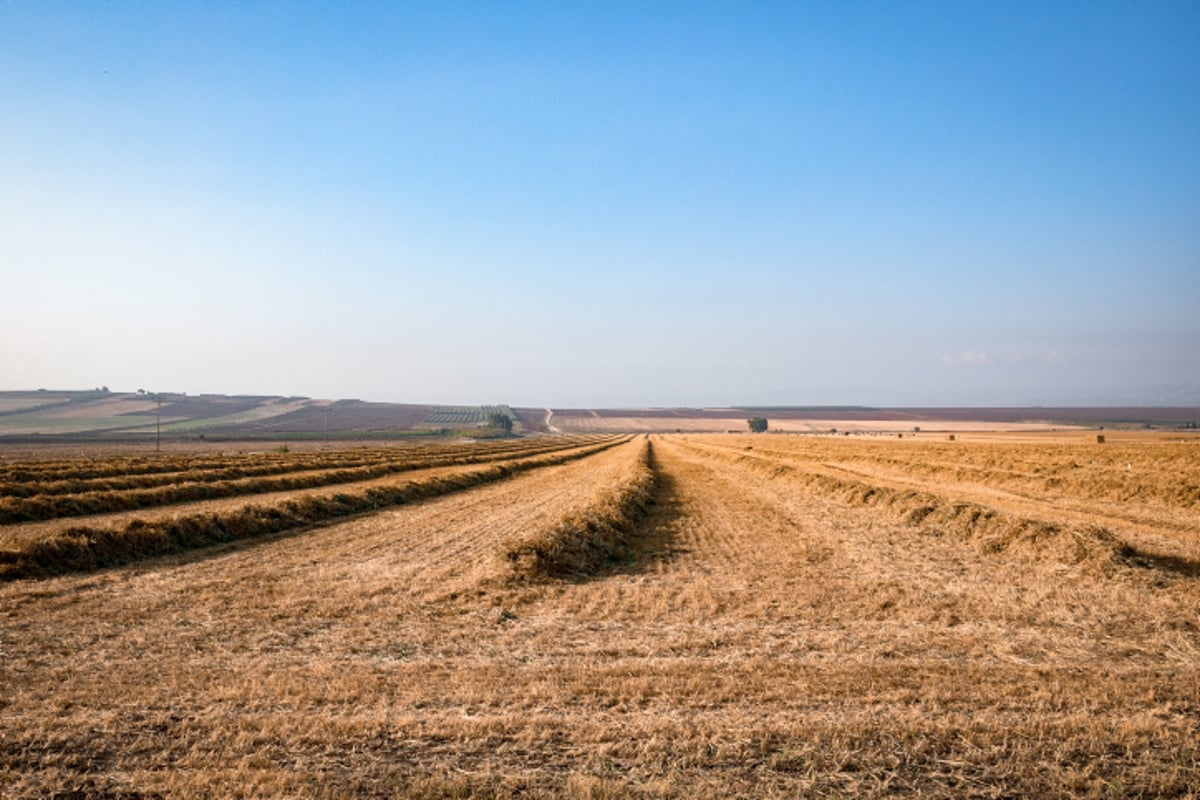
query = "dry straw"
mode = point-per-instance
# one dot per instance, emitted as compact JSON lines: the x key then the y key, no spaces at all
{"x":57,"y":500}
{"x":587,"y":539}
{"x":86,"y":548}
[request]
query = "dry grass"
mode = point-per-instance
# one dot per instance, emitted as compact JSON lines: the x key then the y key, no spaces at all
{"x":765,"y":635}
{"x":587,"y":539}
{"x":1143,"y":490}
{"x":989,"y":529}
{"x":82,"y":547}
{"x":167,"y":483}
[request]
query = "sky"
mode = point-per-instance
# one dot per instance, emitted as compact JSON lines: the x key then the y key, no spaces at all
{"x":604,"y":204}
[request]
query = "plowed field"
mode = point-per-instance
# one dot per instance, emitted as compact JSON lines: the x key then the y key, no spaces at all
{"x":678,"y":616}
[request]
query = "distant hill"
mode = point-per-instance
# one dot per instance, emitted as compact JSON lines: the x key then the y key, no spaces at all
{"x":99,"y":413}
{"x":131,"y":415}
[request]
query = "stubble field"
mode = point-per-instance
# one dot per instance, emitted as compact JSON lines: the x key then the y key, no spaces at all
{"x":606,"y":616}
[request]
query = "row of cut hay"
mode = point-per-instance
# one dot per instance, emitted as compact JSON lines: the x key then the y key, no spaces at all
{"x":65,"y":486}
{"x":77,"y":477}
{"x":85,"y":548}
{"x":587,"y":539}
{"x":83,"y":468}
{"x":1152,"y":482}
{"x":14,"y":510}
{"x":987,"y":529}
{"x":1164,"y":473}
{"x":86,"y":468}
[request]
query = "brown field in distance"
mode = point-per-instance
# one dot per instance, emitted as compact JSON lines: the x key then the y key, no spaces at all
{"x":1013,"y":613}
{"x":655,"y":424}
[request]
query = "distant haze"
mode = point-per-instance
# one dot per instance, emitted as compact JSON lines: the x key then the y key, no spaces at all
{"x":606,"y":204}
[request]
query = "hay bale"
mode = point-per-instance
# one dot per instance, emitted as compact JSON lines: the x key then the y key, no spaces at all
{"x":1099,"y":438}
{"x":950,"y":438}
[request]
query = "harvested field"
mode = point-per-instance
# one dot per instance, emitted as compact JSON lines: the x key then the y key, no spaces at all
{"x":710,"y":422}
{"x":45,"y":492}
{"x":114,"y":538}
{"x":673,"y":616}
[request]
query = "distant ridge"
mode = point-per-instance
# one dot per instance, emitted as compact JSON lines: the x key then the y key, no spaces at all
{"x":99,"y":413}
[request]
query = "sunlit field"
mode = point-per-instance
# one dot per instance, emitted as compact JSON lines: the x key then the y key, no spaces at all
{"x":663,"y":615}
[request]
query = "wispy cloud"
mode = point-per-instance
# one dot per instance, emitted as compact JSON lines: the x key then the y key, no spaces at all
{"x":979,"y":358}
{"x":967,"y":358}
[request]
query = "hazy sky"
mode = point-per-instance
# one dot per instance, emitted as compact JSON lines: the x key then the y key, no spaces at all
{"x":604,"y":204}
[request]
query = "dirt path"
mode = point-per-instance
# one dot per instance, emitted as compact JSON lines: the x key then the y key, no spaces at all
{"x":550,"y":427}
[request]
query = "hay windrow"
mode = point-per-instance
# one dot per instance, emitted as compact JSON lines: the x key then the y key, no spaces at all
{"x":124,"y":474}
{"x":168,"y":488}
{"x":989,"y":530}
{"x":1113,"y":474}
{"x":240,"y":464}
{"x":587,"y":539}
{"x":84,"y":548}
{"x":177,"y":470}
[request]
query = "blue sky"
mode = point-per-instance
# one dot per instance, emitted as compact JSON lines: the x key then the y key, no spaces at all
{"x":604,"y":204}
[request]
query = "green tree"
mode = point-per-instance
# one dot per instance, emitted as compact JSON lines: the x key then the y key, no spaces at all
{"x":757,"y":424}
{"x":501,"y":422}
